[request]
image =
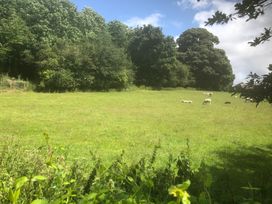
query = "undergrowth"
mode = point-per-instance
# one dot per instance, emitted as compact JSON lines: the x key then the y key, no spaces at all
{"x":10,"y":83}
{"x":43,"y":176}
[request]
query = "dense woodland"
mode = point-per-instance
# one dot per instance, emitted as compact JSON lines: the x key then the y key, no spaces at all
{"x":59,"y":48}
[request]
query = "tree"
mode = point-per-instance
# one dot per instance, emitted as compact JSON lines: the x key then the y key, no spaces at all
{"x":26,"y":26}
{"x":251,"y":9}
{"x":154,"y":57}
{"x":15,"y":50}
{"x":91,"y":23}
{"x":113,"y":68}
{"x":258,"y":88}
{"x":60,"y":49}
{"x":88,"y":65}
{"x":119,"y":33}
{"x":209,"y":66}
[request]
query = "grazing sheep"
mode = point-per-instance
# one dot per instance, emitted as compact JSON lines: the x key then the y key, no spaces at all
{"x":227,"y":102}
{"x":207,"y":101}
{"x":208,"y":94}
{"x":248,"y":99}
{"x":186,"y":101}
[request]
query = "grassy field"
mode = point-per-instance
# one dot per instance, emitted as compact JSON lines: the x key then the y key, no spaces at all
{"x":134,"y":121}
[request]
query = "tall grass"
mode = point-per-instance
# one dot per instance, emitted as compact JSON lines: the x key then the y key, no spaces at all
{"x":10,"y":83}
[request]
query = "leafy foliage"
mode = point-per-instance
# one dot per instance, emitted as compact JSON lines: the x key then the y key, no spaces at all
{"x":209,"y":66}
{"x":51,"y":179}
{"x":44,"y":175}
{"x":154,"y":57}
{"x":258,"y":88}
{"x":61,"y":49}
{"x":119,"y":33}
{"x":265,"y":36}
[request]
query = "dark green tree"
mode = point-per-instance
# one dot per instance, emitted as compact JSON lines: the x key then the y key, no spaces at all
{"x":88,"y":65}
{"x":154,"y":57}
{"x":119,"y":33}
{"x":61,"y":49}
{"x":209,"y":66}
{"x":16,"y":58}
{"x":112,"y":67}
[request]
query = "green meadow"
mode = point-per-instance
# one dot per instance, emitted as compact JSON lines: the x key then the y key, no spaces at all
{"x":134,"y":121}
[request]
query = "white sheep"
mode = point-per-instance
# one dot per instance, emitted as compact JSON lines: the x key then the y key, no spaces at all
{"x":186,"y":101}
{"x":248,"y":99}
{"x":208,"y":94}
{"x":207,"y":101}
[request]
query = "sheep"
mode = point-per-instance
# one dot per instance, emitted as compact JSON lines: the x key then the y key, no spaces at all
{"x":248,"y":99}
{"x":186,"y":101}
{"x":207,"y":101}
{"x":208,"y":94}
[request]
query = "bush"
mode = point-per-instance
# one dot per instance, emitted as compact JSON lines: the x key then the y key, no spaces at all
{"x":57,"y":81}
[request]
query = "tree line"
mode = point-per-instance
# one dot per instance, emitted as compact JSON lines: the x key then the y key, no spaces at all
{"x":59,"y":48}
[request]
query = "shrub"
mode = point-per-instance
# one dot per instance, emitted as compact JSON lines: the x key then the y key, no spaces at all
{"x":57,"y":81}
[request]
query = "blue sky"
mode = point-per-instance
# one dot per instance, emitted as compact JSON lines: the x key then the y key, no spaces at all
{"x":163,"y":13}
{"x":176,"y":16}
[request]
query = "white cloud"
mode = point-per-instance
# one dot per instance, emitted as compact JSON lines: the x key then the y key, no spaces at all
{"x":234,"y":38}
{"x":153,"y":19}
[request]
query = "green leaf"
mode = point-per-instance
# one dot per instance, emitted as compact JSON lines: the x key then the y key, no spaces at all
{"x":20,"y":182}
{"x":10,"y":195}
{"x":185,"y":198}
{"x":38,"y":178}
{"x":130,"y":179}
{"x":16,"y":195}
{"x":92,"y":196}
{"x":185,"y":185}
{"x":39,"y":201}
{"x":130,"y":201}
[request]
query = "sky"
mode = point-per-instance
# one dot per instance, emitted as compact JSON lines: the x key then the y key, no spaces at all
{"x":176,"y":16}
